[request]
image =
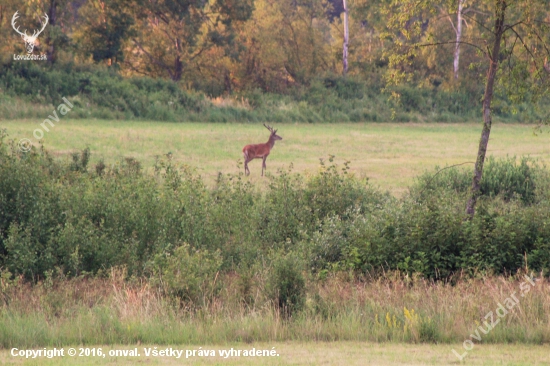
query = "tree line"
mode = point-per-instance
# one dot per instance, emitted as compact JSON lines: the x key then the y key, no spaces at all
{"x":223,"y":46}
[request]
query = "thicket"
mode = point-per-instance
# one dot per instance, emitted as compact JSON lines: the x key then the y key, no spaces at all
{"x":28,"y":90}
{"x":70,"y":218}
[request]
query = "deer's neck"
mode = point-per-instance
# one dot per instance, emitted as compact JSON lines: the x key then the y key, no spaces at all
{"x":271,"y":142}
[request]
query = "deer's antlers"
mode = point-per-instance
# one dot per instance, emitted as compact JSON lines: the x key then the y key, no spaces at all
{"x":36,"y":33}
{"x":270,"y":128}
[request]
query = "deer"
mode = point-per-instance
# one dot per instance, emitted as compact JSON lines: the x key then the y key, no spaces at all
{"x":30,"y":41}
{"x":260,"y":151}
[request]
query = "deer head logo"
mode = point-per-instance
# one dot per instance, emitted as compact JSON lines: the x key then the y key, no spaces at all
{"x":30,"y":41}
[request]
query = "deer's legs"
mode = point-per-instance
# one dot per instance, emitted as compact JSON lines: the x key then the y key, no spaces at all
{"x":246,"y":170}
{"x":263,"y":165}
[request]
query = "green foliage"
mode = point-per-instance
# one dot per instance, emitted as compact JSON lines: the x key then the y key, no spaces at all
{"x":428,"y":331}
{"x":286,"y":285}
{"x":103,"y":37}
{"x":332,"y":191}
{"x":99,"y":92}
{"x":288,"y":53}
{"x":64,"y":216}
{"x":102,"y":93}
{"x":188,"y":274}
{"x":507,"y":178}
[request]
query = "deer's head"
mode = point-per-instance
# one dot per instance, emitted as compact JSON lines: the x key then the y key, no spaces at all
{"x":30,"y":41}
{"x":274,"y":135}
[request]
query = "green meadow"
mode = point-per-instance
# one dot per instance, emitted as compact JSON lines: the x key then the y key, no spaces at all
{"x":389,"y":154}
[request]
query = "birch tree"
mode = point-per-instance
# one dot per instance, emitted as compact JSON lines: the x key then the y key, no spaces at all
{"x":458,"y":32}
{"x":346,"y":39}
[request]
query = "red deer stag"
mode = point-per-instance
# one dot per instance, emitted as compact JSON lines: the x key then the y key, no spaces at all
{"x":260,"y":151}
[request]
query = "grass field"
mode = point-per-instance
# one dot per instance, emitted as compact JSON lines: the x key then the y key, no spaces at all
{"x":389,"y":154}
{"x":319,"y":353}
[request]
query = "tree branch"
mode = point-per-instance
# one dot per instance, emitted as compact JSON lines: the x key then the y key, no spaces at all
{"x":478,"y":23}
{"x":452,"y":24}
{"x":451,"y":42}
{"x":154,"y":59}
{"x":525,"y":46}
{"x":544,"y":44}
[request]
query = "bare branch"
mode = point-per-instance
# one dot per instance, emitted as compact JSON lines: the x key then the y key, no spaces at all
{"x":452,"y":24}
{"x":478,"y":23}
{"x":506,"y":27}
{"x":475,"y":11}
{"x":131,"y":66}
{"x":525,"y":46}
{"x":544,"y":44}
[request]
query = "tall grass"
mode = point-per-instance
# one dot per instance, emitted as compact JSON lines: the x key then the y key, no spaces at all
{"x":390,"y":308}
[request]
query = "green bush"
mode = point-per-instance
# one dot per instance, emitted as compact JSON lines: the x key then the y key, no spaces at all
{"x":286,"y":285}
{"x":188,"y":274}
{"x":506,"y":178}
{"x":64,"y":217}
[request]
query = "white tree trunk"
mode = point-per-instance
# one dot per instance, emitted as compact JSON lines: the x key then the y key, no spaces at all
{"x":458,"y":30}
{"x":346,"y":39}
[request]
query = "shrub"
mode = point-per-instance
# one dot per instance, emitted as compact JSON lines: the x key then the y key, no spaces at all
{"x":188,"y":274}
{"x":506,"y":178}
{"x":286,"y":283}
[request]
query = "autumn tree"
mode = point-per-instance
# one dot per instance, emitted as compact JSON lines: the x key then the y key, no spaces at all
{"x":171,"y":34}
{"x":286,"y":42}
{"x":103,"y":28}
{"x":366,"y":46}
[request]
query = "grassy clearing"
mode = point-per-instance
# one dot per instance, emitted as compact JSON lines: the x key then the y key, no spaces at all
{"x":320,"y":353}
{"x":389,"y":154}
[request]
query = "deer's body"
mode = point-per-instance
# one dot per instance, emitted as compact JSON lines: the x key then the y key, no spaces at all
{"x":260,"y":151}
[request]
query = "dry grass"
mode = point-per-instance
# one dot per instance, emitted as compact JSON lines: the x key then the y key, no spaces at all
{"x":391,"y":308}
{"x":230,"y":102}
{"x":389,"y":154}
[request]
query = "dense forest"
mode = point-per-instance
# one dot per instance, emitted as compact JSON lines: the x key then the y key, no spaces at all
{"x":298,"y":60}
